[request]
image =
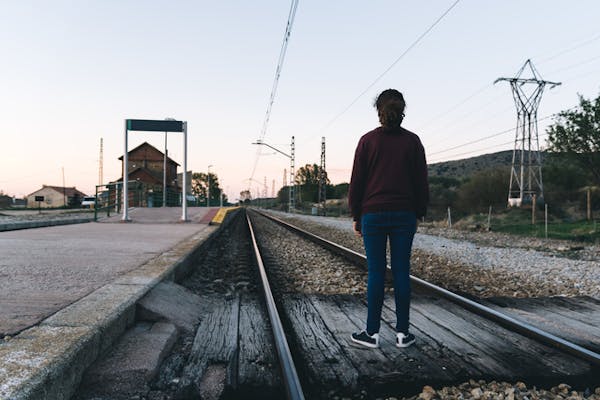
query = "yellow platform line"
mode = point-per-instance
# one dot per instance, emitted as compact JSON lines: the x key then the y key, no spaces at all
{"x":221,"y":214}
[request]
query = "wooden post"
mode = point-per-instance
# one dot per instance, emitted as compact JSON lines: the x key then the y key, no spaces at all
{"x":533,"y":210}
{"x":589,"y":204}
{"x":489,"y":218}
{"x":546,"y":219}
{"x":449,"y":218}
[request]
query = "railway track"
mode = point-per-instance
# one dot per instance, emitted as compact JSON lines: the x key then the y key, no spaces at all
{"x":507,"y":321}
{"x":232,"y":352}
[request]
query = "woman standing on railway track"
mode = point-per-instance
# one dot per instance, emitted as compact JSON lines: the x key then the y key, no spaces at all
{"x":388,"y":192}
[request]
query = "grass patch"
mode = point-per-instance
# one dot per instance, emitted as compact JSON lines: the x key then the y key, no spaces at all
{"x":580,"y":231}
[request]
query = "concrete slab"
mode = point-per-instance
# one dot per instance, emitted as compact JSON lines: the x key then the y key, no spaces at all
{"x":132,"y":363}
{"x":166,"y":215}
{"x":31,"y":363}
{"x":174,"y":303}
{"x":44,"y":270}
{"x":94,"y":274}
{"x":12,"y":226}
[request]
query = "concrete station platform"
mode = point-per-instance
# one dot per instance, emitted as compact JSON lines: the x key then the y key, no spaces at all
{"x":67,"y":292}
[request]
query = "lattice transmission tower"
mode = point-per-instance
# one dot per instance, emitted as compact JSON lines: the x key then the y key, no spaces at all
{"x":322,"y":181}
{"x":101,"y":163}
{"x":292,"y":187}
{"x":526,"y":170}
{"x":265,"y":188}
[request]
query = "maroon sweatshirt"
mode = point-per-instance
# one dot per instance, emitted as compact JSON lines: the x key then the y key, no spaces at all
{"x":389,"y":173}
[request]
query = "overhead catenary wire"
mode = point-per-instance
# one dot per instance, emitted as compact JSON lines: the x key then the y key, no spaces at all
{"x":382,"y":74}
{"x":587,"y":61}
{"x":481,"y":149}
{"x":570,"y":49}
{"x":490,"y":136}
{"x":489,"y":85}
{"x":278,"y":69}
{"x":282,"y":52}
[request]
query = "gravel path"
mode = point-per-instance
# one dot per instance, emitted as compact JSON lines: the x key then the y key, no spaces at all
{"x":469,"y":263}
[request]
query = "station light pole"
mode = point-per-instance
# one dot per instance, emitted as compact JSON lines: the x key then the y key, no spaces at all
{"x":292,"y":158}
{"x":166,"y":155}
{"x":208,"y":187}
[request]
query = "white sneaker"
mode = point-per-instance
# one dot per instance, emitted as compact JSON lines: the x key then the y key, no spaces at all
{"x":403,"y":340}
{"x":365,"y":339}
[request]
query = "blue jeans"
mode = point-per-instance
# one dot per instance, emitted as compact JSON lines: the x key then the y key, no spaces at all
{"x":400,"y":227}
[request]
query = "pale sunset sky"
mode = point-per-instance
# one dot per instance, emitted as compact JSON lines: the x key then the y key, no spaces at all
{"x":72,"y":71}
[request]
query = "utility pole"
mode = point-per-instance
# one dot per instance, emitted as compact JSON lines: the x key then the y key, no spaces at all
{"x":323,"y":180}
{"x":265,"y":187}
{"x":526,"y":170}
{"x":292,"y":203}
{"x":64,"y":189}
{"x":292,"y":157}
{"x":165,"y":173}
{"x":208,"y":187}
{"x":273,"y":189}
{"x":101,"y":163}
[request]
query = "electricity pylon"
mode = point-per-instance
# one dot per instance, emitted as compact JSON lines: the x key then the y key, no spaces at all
{"x":322,"y":181}
{"x":526,"y":171}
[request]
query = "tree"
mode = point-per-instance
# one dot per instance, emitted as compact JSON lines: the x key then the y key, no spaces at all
{"x":309,"y":175}
{"x":307,"y":181}
{"x":245,"y":196}
{"x":484,"y":188}
{"x":199,"y":185}
{"x":576,"y":132}
{"x":340,"y":191}
{"x":442,"y":193}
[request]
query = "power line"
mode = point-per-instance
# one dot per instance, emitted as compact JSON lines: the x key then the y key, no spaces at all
{"x":282,"y":52}
{"x":482,"y":89}
{"x":454,"y":107}
{"x":481,"y":149}
{"x":494,"y":135}
{"x":579,"y":64}
{"x":381,"y":75}
{"x":471,"y":152}
{"x":540,"y":119}
{"x":570,"y":49}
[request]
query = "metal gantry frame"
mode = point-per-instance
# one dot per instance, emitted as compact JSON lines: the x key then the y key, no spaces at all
{"x":292,"y":157}
{"x":323,"y":181}
{"x":292,"y":187}
{"x":168,"y":125}
{"x":526,"y":170}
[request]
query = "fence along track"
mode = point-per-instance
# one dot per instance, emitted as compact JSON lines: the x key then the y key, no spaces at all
{"x":504,"y":320}
{"x":288,"y":369}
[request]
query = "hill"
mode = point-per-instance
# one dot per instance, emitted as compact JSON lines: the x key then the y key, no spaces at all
{"x":468,"y":166}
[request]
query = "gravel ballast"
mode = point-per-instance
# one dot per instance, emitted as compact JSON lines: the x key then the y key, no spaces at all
{"x":471,"y":265}
{"x":468,"y":262}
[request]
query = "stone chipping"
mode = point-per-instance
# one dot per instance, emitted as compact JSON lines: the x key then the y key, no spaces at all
{"x":484,"y":264}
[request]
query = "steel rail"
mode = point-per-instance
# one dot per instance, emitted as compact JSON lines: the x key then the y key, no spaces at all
{"x":506,"y":321}
{"x":288,"y":369}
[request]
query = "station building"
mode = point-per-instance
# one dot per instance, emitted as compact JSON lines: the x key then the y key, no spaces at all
{"x":145,"y":169}
{"x":55,"y":196}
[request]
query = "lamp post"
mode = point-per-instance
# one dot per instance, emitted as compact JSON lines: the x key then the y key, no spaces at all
{"x":208,"y":187}
{"x":166,"y":155}
{"x":292,"y":162}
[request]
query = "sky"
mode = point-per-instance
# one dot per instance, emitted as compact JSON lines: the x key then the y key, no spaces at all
{"x":73,"y":71}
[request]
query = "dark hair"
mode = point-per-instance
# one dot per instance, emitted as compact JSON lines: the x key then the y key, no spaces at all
{"x":390,"y":106}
